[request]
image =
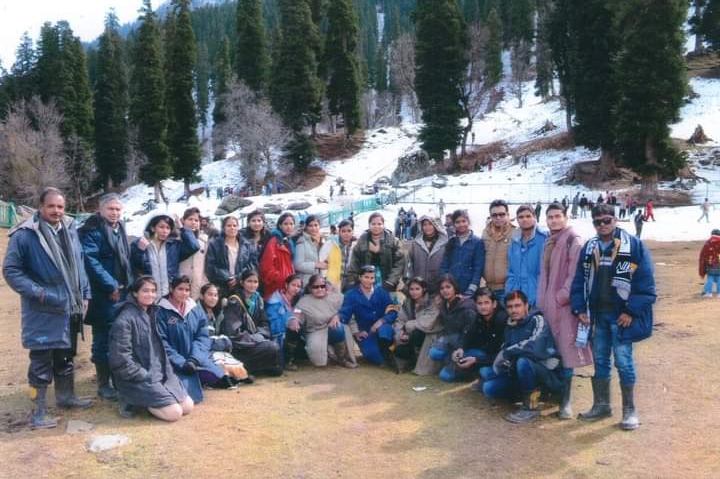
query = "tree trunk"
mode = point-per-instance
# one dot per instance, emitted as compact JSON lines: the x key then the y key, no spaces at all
{"x":607,"y":165}
{"x":187,"y":188}
{"x":454,"y":160}
{"x":466,"y":132}
{"x":159,"y":195}
{"x":650,"y":180}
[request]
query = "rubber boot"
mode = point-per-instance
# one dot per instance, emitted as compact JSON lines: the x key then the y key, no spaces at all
{"x":39,"y":418}
{"x":343,"y":356}
{"x":388,"y":354}
{"x":529,"y":409}
{"x":565,"y":411}
{"x":601,"y":401}
{"x":105,"y":389}
{"x":630,"y":419}
{"x":65,"y":393}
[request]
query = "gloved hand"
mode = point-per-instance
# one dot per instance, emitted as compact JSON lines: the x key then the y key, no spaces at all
{"x":189,"y":367}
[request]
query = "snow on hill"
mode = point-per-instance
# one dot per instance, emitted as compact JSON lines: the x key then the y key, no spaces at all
{"x":473,"y":191}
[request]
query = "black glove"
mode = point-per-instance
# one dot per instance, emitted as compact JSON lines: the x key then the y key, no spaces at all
{"x":189,"y":367}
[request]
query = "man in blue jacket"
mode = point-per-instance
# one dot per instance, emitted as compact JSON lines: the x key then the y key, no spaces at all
{"x":614,"y":288}
{"x":107,"y":263}
{"x":525,"y":255}
{"x":464,"y":256}
{"x":44,"y":265}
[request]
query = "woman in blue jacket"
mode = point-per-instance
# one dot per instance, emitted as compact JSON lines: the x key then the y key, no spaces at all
{"x":370,"y":313}
{"x":280,"y":309}
{"x":158,"y":253}
{"x":183,"y":328}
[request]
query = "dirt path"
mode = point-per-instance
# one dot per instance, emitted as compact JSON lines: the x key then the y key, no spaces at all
{"x":370,"y":423}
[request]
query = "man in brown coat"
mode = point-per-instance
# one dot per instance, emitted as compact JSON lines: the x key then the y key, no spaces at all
{"x":559,"y":261}
{"x":497,"y":242}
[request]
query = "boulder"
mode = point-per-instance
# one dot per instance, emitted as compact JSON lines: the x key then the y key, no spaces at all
{"x":411,"y":167}
{"x":299,"y":205}
{"x":231,"y":203}
{"x":271,"y":209}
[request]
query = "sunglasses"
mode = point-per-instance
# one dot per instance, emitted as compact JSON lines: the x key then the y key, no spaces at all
{"x":498,"y":215}
{"x":603,"y":221}
{"x":318,"y":286}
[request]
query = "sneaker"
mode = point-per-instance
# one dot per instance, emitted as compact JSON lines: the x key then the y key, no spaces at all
{"x":477,"y":385}
{"x":708,"y":295}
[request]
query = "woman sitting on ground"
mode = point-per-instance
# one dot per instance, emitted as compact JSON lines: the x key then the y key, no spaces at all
{"x":142,"y":371}
{"x":416,"y":328}
{"x":183,"y":328}
{"x":320,"y":324}
{"x":482,"y":340}
{"x":220,"y":345}
{"x":280,"y":308}
{"x":456,"y":315}
{"x":247,"y":326}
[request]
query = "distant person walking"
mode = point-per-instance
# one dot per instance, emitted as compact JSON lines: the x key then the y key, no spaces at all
{"x":705,"y":207}
{"x":639,"y":219}
{"x":710,"y":264}
{"x":649,"y":210}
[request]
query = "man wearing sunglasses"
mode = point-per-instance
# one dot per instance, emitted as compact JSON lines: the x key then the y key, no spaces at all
{"x":496,"y":239}
{"x":614,"y":291}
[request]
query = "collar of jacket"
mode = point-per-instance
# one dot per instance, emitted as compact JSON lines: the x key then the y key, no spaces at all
{"x":189,"y":305}
{"x":504,"y":234}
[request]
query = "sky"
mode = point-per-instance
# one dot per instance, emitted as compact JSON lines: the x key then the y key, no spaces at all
{"x":86,"y":18}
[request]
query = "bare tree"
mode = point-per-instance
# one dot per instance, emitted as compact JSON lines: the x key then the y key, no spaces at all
{"x":402,"y":66}
{"x":380,"y":109}
{"x":475,"y":88}
{"x":520,"y":64}
{"x":252,"y":130}
{"x":31,"y":151}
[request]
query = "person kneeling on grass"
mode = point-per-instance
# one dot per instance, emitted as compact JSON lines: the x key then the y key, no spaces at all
{"x":370,"y":312}
{"x":527,"y":362}
{"x":142,"y":371}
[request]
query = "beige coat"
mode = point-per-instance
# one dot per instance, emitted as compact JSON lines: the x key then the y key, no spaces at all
{"x":496,"y":255}
{"x":316,"y":314}
{"x":425,"y":319}
{"x":194,"y":268}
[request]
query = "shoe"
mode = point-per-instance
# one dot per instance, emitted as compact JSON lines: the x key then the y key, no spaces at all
{"x":127,"y":411}
{"x":105,"y":389}
{"x":65,"y":393}
{"x":39,"y":418}
{"x":291,"y":366}
{"x":565,"y":410}
{"x":630,"y":419}
{"x":342,"y":355}
{"x":708,"y":295}
{"x":601,"y":401}
{"x":529,"y":409}
{"x":477,"y":385}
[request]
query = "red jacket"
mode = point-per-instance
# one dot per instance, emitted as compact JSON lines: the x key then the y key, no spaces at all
{"x":276,"y":264}
{"x":710,"y":257}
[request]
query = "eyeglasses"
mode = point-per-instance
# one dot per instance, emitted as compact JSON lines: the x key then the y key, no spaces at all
{"x":498,"y":215}
{"x":318,"y":286}
{"x":368,"y":268}
{"x":603,"y":221}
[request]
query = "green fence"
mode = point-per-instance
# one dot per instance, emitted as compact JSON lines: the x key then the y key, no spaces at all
{"x":8,"y":216}
{"x":360,"y":206}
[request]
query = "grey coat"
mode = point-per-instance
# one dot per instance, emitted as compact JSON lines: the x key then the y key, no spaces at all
{"x":426,"y":263}
{"x":141,"y":368}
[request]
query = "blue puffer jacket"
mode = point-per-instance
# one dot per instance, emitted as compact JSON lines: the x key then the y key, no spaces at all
{"x":367,"y":311}
{"x":31,"y":272}
{"x":524,"y":261}
{"x":187,"y":338}
{"x":465,"y":262}
{"x":100,"y":268}
{"x":639,"y":304}
{"x":278,"y":312}
{"x":176,"y":250}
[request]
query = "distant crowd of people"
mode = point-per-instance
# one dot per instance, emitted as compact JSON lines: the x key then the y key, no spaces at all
{"x":185,"y":307}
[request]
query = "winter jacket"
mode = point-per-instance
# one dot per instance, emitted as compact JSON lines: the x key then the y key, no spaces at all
{"x":390,"y":259}
{"x":258,"y":247}
{"x":176,"y":250}
{"x":497,"y":245}
{"x":530,"y":337}
{"x":186,"y":338}
{"x":524,"y":259}
{"x":276,"y":263}
{"x":332,"y":253}
{"x":194,"y":267}
{"x":279,"y":313}
{"x":142,"y":372}
{"x":465,"y":262}
{"x":425,"y":319}
{"x":360,"y":312}
{"x":30,"y":270}
{"x":427,"y":263}
{"x":217,"y":262}
{"x":710,"y":257}
{"x":487,"y":335}
{"x":306,"y":255}
{"x":456,"y":316}
{"x":639,"y":304}
{"x":316,"y":314}
{"x":560,"y":257}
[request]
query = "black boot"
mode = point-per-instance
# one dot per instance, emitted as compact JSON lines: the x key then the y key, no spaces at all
{"x":388,"y":355}
{"x":127,"y":411}
{"x":291,"y":345}
{"x":630,"y":419}
{"x":39,"y":418}
{"x":565,"y":411}
{"x":105,"y":389}
{"x":65,"y":393}
{"x":529,"y":409}
{"x":601,"y":401}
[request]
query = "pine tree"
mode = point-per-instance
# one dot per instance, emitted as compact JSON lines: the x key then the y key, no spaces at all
{"x":223,"y":71}
{"x":295,"y":88}
{"x":651,"y":75}
{"x":440,"y":68}
{"x":183,"y":142}
{"x":202,"y":78}
{"x":543,"y":54}
{"x":111,"y":105}
{"x":471,"y":10}
{"x":148,"y":101}
{"x":520,"y":21}
{"x":343,"y":90}
{"x":49,"y":62}
{"x":710,"y":24}
{"x":22,"y":81}
{"x":563,"y":48}
{"x":251,"y":59}
{"x":493,"y":49}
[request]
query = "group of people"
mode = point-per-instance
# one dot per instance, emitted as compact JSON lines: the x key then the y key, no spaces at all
{"x":516,"y":308}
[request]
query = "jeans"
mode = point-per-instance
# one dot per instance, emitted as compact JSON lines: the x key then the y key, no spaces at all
{"x":336,"y":335}
{"x":605,"y":339}
{"x":712,"y":278}
{"x":527,"y":375}
{"x":452,"y":372}
{"x":500,"y":297}
{"x":100,"y":343}
{"x":375,"y":345}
